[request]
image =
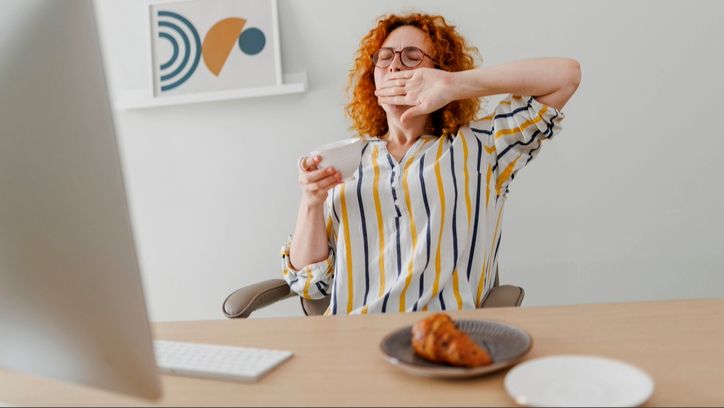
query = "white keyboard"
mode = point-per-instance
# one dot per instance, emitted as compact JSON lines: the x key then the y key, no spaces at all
{"x":219,"y":362}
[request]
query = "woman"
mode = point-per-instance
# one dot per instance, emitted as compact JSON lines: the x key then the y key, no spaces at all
{"x":418,"y":227}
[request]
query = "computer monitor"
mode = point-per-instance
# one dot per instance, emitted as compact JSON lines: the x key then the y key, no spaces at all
{"x":71,"y":299}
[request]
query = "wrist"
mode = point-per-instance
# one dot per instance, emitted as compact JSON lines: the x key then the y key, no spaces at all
{"x":463,"y":85}
{"x":310,"y":206}
{"x":454,"y":84}
{"x":472,"y":83}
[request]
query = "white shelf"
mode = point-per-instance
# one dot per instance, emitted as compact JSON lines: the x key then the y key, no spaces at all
{"x":142,"y":98}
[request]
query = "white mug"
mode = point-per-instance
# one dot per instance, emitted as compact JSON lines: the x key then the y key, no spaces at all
{"x":343,"y":155}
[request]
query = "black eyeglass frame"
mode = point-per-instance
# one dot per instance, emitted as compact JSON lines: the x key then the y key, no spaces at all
{"x":375,"y":56}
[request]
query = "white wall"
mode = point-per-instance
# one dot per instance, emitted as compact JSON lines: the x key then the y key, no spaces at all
{"x":624,"y":204}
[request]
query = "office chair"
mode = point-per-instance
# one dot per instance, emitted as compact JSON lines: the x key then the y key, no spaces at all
{"x":242,"y":302}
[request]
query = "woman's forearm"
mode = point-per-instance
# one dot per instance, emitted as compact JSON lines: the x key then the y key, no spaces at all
{"x":309,"y":241}
{"x":551,"y":80}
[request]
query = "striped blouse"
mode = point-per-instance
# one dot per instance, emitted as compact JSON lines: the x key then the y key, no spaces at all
{"x":423,"y":233}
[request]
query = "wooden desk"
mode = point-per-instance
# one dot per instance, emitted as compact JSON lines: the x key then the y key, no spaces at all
{"x":337,"y":360}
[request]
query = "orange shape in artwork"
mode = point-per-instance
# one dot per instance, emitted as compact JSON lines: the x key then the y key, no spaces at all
{"x":219,"y":42}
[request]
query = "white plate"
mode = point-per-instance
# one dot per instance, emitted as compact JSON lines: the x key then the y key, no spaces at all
{"x":582,"y":381}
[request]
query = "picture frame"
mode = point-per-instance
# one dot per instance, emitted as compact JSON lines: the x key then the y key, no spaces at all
{"x":201,"y":50}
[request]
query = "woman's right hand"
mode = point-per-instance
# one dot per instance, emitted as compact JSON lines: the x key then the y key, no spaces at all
{"x":316,"y":182}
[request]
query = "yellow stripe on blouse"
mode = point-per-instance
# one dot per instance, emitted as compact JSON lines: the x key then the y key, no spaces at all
{"x":505,"y":175}
{"x":413,"y":229}
{"x":466,"y":182}
{"x":347,"y":248}
{"x":502,"y":132}
{"x":380,"y":220}
{"x":441,"y":196}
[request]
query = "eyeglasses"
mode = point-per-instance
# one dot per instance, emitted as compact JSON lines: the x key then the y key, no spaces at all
{"x":409,"y":56}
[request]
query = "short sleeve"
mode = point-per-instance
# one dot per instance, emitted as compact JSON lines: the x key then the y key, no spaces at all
{"x":520,"y":125}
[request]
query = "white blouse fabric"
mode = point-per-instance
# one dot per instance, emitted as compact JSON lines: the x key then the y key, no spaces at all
{"x":423,"y":233}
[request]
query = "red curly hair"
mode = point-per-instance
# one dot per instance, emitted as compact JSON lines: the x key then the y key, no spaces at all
{"x":450,"y":53}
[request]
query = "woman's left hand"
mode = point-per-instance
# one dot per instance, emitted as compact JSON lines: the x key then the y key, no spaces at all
{"x":424,"y":89}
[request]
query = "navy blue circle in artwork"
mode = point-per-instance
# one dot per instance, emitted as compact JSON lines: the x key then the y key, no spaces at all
{"x":252,"y":41}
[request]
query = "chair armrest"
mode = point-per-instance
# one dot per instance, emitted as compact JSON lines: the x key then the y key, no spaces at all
{"x":243,"y":301}
{"x":504,"y":296}
{"x":315,"y":307}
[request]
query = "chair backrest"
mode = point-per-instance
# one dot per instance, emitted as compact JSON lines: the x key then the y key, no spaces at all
{"x":319,"y":306}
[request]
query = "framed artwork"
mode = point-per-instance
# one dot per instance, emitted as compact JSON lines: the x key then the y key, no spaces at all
{"x":202,"y":47}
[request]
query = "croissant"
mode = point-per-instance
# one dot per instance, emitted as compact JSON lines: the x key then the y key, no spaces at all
{"x":436,"y":339}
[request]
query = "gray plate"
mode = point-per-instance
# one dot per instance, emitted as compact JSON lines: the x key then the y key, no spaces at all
{"x":505,"y":343}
